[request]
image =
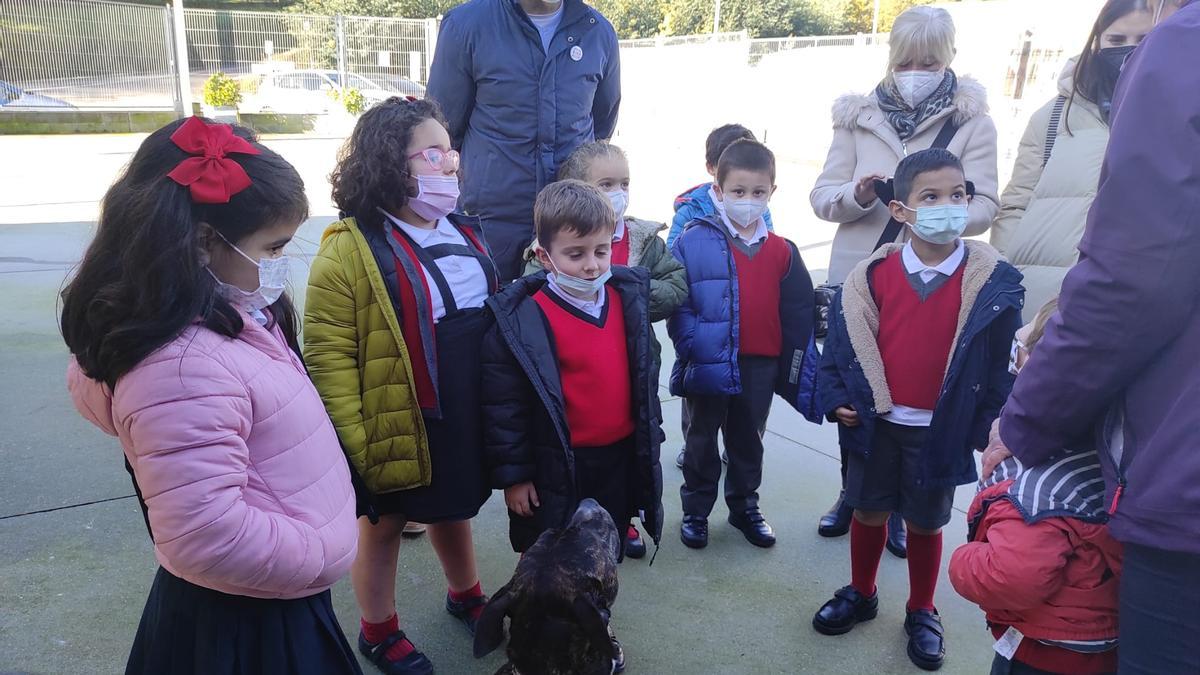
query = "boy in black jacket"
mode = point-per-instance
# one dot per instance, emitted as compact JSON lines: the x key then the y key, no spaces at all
{"x":570,"y":386}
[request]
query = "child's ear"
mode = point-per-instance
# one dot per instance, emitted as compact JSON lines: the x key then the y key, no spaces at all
{"x":898,"y":211}
{"x":712,"y":170}
{"x":718,"y":192}
{"x":206,"y":242}
{"x":542,"y":256}
{"x":773,"y":189}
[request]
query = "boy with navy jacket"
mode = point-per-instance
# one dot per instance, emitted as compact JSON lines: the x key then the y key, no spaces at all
{"x":570,"y":384}
{"x":744,"y":334}
{"x":915,"y":370}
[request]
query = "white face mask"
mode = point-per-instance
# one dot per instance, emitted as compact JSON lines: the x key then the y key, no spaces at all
{"x":584,"y":289}
{"x":272,"y":279}
{"x":744,"y":212}
{"x":917,"y":85}
{"x":620,"y":202}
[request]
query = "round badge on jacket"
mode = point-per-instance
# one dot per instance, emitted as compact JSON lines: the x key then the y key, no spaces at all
{"x":576,"y":53}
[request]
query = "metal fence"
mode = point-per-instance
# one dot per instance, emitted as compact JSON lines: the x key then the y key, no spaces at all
{"x":766,"y":46}
{"x":97,"y":54}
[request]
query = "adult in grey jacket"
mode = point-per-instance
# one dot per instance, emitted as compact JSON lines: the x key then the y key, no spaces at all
{"x":1124,"y":349}
{"x":522,"y":83}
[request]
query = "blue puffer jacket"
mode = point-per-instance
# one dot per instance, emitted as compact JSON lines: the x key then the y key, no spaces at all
{"x":696,"y":203}
{"x":705,"y":327}
{"x":977,"y":381}
{"x":517,"y":111}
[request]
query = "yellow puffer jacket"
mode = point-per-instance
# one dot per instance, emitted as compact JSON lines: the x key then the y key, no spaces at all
{"x":357,"y":358}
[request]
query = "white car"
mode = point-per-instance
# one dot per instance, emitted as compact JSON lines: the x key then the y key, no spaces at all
{"x":309,"y":92}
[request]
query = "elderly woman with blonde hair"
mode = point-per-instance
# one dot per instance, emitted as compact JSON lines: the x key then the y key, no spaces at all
{"x":919,"y":103}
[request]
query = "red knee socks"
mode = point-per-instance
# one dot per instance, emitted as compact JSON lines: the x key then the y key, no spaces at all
{"x":475,"y":591}
{"x":924,"y":561}
{"x":378,"y":632}
{"x":866,"y":547}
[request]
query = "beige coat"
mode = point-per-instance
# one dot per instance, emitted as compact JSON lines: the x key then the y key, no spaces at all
{"x":865,"y":143}
{"x":1044,"y":209}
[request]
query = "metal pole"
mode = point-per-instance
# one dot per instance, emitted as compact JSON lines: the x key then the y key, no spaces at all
{"x":340,"y":34}
{"x":182,"y":70}
{"x":875,"y":20}
{"x":717,"y":17}
{"x":431,"y":36}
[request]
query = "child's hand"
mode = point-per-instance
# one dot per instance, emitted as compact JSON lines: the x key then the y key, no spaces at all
{"x":847,"y":416}
{"x":864,"y":190}
{"x":521,"y":499}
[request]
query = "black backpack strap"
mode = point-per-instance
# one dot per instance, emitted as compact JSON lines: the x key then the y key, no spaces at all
{"x":1056,"y":114}
{"x":893,"y":227}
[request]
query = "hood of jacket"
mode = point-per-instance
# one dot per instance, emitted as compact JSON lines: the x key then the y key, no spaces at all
{"x":862,"y":314}
{"x":1071,"y":487}
{"x":700,"y":193}
{"x":970,"y":101}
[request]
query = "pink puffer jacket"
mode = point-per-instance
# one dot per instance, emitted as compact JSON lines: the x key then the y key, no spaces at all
{"x":247,"y":489}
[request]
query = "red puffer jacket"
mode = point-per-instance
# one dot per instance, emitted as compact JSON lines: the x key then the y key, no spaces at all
{"x":1032,"y":566}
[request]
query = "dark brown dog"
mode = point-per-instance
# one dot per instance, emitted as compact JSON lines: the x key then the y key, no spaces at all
{"x":558,"y":601}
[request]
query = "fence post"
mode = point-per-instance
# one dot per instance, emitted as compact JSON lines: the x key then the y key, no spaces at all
{"x":339,"y":22}
{"x":1023,"y":68}
{"x":183,"y":71}
{"x":431,"y":37}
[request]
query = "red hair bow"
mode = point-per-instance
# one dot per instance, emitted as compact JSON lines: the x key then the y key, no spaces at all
{"x":209,"y":173}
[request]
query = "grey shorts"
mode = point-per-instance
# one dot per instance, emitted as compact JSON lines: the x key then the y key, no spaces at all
{"x":887,"y":479}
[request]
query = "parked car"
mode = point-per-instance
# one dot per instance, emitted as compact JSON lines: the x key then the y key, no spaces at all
{"x":309,"y":92}
{"x":12,"y":96}
{"x":401,"y":86}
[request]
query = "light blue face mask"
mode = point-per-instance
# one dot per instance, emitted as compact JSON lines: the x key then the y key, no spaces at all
{"x":584,"y":289}
{"x":939,"y":224}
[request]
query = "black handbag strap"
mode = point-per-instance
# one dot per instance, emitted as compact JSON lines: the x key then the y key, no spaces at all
{"x":893,"y":227}
{"x":1052,"y":131}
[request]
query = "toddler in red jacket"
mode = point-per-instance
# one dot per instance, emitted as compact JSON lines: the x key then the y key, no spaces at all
{"x":1040,"y":561}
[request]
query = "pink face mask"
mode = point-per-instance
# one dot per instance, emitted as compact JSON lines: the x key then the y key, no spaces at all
{"x":437,"y":196}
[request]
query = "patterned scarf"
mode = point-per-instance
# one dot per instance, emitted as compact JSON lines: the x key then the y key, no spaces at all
{"x":904,"y":119}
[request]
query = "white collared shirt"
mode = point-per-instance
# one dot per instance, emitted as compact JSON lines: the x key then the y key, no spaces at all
{"x":463,"y":273}
{"x":619,"y":233}
{"x":760,"y":232}
{"x":913,"y":264}
{"x":593,"y":308}
{"x":901,"y":414}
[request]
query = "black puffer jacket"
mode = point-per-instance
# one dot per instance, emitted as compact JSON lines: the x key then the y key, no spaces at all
{"x":525,"y":418}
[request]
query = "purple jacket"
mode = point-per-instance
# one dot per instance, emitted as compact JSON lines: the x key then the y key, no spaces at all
{"x":1127,"y":335}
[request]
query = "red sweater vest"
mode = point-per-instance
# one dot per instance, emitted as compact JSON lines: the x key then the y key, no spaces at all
{"x":915,"y":338}
{"x":759,"y":280}
{"x":593,"y":363}
{"x":620,"y":250}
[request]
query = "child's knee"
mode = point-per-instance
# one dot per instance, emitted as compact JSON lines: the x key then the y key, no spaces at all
{"x":872,"y":518}
{"x":913,"y":529}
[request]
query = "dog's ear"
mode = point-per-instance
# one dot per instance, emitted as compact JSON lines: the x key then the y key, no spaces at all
{"x":489,"y":630}
{"x":594,"y":622}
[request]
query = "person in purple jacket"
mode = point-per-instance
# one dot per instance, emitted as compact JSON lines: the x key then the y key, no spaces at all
{"x":1123,"y":353}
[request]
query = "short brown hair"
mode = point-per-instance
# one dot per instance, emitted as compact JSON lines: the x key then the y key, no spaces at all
{"x":571,"y":205}
{"x":1039,"y":323}
{"x":746,"y":155}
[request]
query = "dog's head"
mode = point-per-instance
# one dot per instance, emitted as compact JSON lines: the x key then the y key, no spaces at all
{"x":558,"y":600}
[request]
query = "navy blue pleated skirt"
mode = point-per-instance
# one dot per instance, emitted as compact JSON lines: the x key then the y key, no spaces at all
{"x":191,"y":630}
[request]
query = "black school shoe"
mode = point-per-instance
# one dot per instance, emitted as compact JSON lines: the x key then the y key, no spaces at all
{"x":926,"y":645}
{"x":694,"y":531}
{"x":754,"y":526}
{"x":847,"y":609}
{"x":897,"y":537}
{"x":415,"y":663}
{"x":635,"y":547}
{"x":836,"y":522}
{"x":462,"y":610}
{"x":679,"y":459}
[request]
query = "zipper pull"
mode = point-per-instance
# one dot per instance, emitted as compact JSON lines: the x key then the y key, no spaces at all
{"x":1117,"y":496}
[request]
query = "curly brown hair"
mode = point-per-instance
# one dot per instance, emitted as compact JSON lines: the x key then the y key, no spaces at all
{"x":372,"y":167}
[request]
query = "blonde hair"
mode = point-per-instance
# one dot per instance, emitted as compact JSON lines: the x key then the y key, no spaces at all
{"x":1039,"y":323}
{"x":921,"y":33}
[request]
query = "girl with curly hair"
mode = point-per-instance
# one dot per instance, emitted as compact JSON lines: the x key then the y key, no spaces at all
{"x":393,"y":322}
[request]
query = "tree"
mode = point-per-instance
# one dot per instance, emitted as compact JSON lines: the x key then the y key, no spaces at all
{"x":759,"y":18}
{"x":399,"y":9}
{"x":632,"y":19}
{"x":857,"y":15}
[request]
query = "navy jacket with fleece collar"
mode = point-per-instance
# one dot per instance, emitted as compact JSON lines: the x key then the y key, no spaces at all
{"x":705,"y":327}
{"x":977,"y":381}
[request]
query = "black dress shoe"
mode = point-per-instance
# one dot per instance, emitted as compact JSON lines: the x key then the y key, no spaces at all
{"x":754,"y":526}
{"x":694,"y":531}
{"x":635,"y":547}
{"x":836,"y":523}
{"x":926,"y":647}
{"x":679,"y":459}
{"x":897,"y":539}
{"x":845,"y":611}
